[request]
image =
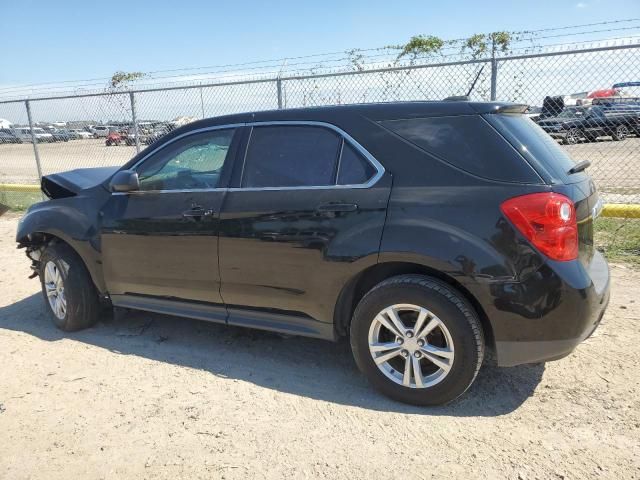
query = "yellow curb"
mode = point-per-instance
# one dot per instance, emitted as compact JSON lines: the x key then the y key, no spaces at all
{"x":15,"y":187}
{"x":621,"y":210}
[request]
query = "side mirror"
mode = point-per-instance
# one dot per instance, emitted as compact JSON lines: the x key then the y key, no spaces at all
{"x":124,"y":181}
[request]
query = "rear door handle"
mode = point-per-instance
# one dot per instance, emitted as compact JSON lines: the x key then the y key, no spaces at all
{"x":337,"y":207}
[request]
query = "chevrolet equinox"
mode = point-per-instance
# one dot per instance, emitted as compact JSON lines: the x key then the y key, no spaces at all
{"x":428,"y":233}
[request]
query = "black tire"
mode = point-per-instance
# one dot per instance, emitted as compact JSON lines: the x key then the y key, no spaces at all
{"x":620,"y":133}
{"x":82,"y":303}
{"x":572,"y":137}
{"x":450,"y":307}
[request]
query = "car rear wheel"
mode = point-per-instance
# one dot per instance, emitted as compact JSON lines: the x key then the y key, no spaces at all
{"x":620,"y":133}
{"x":67,"y":287}
{"x":417,"y":340}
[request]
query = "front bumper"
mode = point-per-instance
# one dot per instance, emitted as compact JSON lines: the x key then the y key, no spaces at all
{"x":561,"y":306}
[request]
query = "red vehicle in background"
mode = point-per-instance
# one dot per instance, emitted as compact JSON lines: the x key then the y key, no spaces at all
{"x":114,"y":138}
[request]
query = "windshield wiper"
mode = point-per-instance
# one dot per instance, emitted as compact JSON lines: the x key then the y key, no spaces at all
{"x":580,"y":166}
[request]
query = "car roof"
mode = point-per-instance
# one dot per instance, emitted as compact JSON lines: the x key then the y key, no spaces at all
{"x":372,"y":111}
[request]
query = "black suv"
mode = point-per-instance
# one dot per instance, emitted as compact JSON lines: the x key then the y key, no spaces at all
{"x":577,"y":123}
{"x":426,"y":232}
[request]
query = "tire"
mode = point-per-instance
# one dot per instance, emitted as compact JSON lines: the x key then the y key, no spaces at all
{"x":78,"y":292}
{"x":573,"y":136}
{"x":620,"y":133}
{"x":449,"y":309}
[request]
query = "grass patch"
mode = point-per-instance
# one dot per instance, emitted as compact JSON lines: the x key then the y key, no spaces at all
{"x":19,"y":201}
{"x":619,"y":239}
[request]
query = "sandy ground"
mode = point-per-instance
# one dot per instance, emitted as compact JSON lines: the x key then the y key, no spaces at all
{"x":147,"y":396}
{"x":615,"y":165}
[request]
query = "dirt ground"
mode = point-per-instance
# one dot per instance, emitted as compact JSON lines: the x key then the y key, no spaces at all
{"x":147,"y":396}
{"x":615,"y":165}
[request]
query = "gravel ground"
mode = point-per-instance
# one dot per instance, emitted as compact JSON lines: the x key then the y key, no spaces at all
{"x":148,"y":396}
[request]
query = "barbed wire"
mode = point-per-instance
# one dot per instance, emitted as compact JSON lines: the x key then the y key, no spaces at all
{"x":320,"y":62}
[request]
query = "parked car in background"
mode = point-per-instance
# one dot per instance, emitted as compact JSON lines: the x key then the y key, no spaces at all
{"x":114,"y":138}
{"x":573,"y":124}
{"x":24,"y":134}
{"x":101,"y":131}
{"x":7,"y":136}
{"x":60,"y":135}
{"x":81,"y":134}
{"x":425,"y":232}
{"x":156,"y":134}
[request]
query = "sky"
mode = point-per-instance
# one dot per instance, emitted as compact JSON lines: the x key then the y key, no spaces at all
{"x":45,"y":41}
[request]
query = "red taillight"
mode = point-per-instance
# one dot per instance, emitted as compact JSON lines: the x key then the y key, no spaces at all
{"x":548,"y":221}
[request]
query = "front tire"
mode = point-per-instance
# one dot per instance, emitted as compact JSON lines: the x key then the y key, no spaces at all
{"x":417,"y":340}
{"x":572,"y":137}
{"x":68,"y":290}
{"x":620,"y":133}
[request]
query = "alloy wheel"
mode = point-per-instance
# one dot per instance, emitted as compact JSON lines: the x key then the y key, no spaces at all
{"x":411,"y":346}
{"x":54,"y":287}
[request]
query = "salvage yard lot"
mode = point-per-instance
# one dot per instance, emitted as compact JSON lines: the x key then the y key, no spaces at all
{"x":149,"y":396}
{"x":615,"y":165}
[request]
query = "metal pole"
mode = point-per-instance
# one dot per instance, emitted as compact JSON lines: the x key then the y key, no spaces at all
{"x":34,"y":140}
{"x":201,"y":103}
{"x":494,"y":78}
{"x":135,"y":121}
{"x":279,"y":88}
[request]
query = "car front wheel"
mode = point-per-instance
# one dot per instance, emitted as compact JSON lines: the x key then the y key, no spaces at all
{"x":417,"y":340}
{"x":67,"y":287}
{"x":572,"y":137}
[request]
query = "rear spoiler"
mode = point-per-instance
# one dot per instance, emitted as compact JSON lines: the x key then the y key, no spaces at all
{"x":511,"y":108}
{"x":489,"y":107}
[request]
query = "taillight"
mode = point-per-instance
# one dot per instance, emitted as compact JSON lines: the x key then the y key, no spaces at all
{"x":548,"y":221}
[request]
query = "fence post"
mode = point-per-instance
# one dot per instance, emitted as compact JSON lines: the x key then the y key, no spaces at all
{"x":34,"y":140}
{"x":279,"y":88}
{"x":135,"y":121}
{"x":201,"y":102}
{"x":494,"y":78}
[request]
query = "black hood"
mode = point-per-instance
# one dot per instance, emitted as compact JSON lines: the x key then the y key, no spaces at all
{"x":68,"y":184}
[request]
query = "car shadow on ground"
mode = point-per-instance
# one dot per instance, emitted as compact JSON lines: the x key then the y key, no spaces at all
{"x":301,"y":366}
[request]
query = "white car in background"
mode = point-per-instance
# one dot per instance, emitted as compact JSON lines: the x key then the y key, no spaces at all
{"x":101,"y":131}
{"x":24,"y":134}
{"x":81,"y":134}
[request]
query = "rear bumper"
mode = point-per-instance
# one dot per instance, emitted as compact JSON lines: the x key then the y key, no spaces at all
{"x":571,"y":300}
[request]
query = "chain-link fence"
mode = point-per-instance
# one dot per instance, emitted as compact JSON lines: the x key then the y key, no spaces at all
{"x":587,"y":99}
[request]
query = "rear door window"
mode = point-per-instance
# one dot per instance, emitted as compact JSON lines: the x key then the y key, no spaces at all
{"x":467,"y":142}
{"x":291,"y":156}
{"x":354,"y":168}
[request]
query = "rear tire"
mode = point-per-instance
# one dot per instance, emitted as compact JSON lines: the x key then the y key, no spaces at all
{"x":450,"y":352}
{"x":68,"y":290}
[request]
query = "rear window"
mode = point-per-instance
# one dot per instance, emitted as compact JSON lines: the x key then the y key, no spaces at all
{"x":535,"y":144}
{"x":467,"y":142}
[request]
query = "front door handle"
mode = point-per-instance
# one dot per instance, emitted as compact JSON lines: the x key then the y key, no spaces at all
{"x":337,"y":207}
{"x":197,"y":212}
